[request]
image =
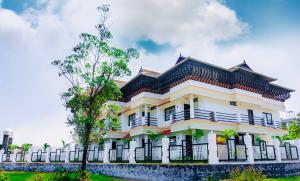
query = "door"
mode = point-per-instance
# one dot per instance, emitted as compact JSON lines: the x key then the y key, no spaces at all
{"x":188,"y":147}
{"x":187,"y":115}
{"x":119,"y":153}
{"x":231,"y":149}
{"x":251,"y":116}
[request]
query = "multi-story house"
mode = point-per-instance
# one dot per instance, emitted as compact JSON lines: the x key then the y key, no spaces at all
{"x":195,"y":95}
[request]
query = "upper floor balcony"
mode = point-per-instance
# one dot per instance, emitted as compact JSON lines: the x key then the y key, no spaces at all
{"x":144,"y":121}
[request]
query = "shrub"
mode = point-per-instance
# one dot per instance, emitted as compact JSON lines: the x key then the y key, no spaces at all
{"x":62,"y":174}
{"x":3,"y":177}
{"x":221,"y":140}
{"x":38,"y":177}
{"x":249,"y":174}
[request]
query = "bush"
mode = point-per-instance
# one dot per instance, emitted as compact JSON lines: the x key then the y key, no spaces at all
{"x":3,"y":177}
{"x":63,"y":175}
{"x":249,"y":174}
{"x":38,"y":177}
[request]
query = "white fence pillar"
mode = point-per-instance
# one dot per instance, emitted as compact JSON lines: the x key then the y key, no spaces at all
{"x":47,"y":157}
{"x":276,"y":144}
{"x":107,"y":146}
{"x":13,"y":155}
{"x":1,"y":153}
{"x":212,"y":148}
{"x":297,"y":144}
{"x":67,"y":158}
{"x":165,"y":150}
{"x":249,"y":147}
{"x":192,"y":107}
{"x":29,"y":155}
{"x":132,"y":151}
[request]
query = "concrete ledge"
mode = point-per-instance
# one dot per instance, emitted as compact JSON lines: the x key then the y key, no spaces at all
{"x":160,"y":171}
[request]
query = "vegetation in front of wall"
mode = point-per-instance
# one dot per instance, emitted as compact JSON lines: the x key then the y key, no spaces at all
{"x":294,"y":130}
{"x":45,"y":146}
{"x":221,"y":139}
{"x":26,"y":147}
{"x":154,"y":136}
{"x":197,"y":134}
{"x":3,"y":177}
{"x":258,"y":139}
{"x":12,"y":147}
{"x":229,"y":133}
{"x":247,"y":174}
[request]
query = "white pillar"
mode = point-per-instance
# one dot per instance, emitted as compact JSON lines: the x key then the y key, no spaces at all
{"x":29,"y":154}
{"x":165,"y":150}
{"x":47,"y":157}
{"x":297,"y":144}
{"x":132,"y":151}
{"x":249,"y":148}
{"x":160,"y":116}
{"x":212,"y":148}
{"x":13,"y":156}
{"x":276,"y":144}
{"x":1,"y":153}
{"x":107,"y":146}
{"x":192,"y":107}
{"x":67,"y":158}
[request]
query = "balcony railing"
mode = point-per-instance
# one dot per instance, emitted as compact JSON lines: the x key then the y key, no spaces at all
{"x":144,"y":121}
{"x":224,"y":117}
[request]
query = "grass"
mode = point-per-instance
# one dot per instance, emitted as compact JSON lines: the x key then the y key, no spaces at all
{"x":25,"y":176}
{"x":297,"y":178}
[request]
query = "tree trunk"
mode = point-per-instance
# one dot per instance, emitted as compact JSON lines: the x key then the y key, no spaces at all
{"x":86,"y":141}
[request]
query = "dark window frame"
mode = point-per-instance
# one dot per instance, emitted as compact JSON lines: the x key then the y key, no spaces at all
{"x":131,"y":117}
{"x":171,"y":141}
{"x":168,"y":112}
{"x":266,"y":118}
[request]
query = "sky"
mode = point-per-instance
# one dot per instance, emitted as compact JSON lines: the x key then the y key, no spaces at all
{"x":265,"y":33}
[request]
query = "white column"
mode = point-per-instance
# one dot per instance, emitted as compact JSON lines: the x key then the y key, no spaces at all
{"x":47,"y":158}
{"x":132,"y":151}
{"x":297,"y":144}
{"x":165,"y":150}
{"x":212,"y":148}
{"x":249,"y":147}
{"x":67,"y":158}
{"x":276,"y":144}
{"x":160,"y":116}
{"x":107,"y":146}
{"x":1,"y":153}
{"x":29,"y":154}
{"x":13,"y":156}
{"x":192,"y":107}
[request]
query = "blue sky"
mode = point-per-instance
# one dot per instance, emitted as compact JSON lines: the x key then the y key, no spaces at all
{"x":34,"y":32}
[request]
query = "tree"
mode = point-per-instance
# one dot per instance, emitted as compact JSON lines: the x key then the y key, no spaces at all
{"x":90,"y":72}
{"x":294,"y":130}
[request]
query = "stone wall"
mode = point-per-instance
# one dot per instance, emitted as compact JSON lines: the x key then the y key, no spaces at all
{"x":159,"y":171}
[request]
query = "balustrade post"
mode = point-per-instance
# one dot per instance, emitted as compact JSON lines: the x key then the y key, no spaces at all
{"x":297,"y":144}
{"x":276,"y":144}
{"x":1,"y":153}
{"x":132,"y":151}
{"x":249,"y":148}
{"x":107,"y":146}
{"x":212,"y":148}
{"x":67,"y":157}
{"x":29,"y":155}
{"x":47,"y":157}
{"x":215,"y":116}
{"x":13,"y":156}
{"x":192,"y":107}
{"x":165,"y":150}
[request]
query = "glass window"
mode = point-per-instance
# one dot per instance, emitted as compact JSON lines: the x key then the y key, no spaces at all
{"x":131,"y":117}
{"x":172,"y":140}
{"x":268,"y":118}
{"x":168,"y":112}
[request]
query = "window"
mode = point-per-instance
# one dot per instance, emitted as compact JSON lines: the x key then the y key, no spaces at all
{"x":131,"y":118}
{"x":168,"y":112}
{"x":172,"y":140}
{"x":268,"y":118}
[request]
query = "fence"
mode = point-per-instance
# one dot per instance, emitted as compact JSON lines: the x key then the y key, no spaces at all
{"x":289,"y":152}
{"x":230,"y":151}
{"x":188,"y":153}
{"x":264,"y":152}
{"x":38,"y":156}
{"x":21,"y":156}
{"x":76,"y":155}
{"x":59,"y":155}
{"x":148,"y":153}
{"x":6,"y":157}
{"x":119,"y":154}
{"x":95,"y":154}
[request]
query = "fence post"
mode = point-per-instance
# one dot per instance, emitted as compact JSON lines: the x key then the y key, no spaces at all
{"x":13,"y":155}
{"x":276,"y":144}
{"x":29,"y":154}
{"x":249,"y":148}
{"x":47,"y":157}
{"x":212,"y":148}
{"x":132,"y":151}
{"x":297,"y":144}
{"x":107,"y":146}
{"x":67,"y":157}
{"x":1,"y":153}
{"x":165,"y":150}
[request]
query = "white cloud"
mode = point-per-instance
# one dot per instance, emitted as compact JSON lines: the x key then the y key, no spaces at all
{"x":30,"y":41}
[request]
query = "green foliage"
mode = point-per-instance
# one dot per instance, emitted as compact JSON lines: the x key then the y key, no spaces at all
{"x":153,"y":136}
{"x":198,"y":134}
{"x":45,"y":146}
{"x":13,"y":147}
{"x":64,"y":144}
{"x":228,"y":133}
{"x":91,"y":71}
{"x":258,"y":139}
{"x":249,"y":174}
{"x":294,"y":130}
{"x":38,"y":177}
{"x":3,"y":177}
{"x":26,"y":146}
{"x":62,"y":174}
